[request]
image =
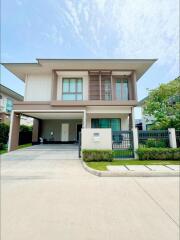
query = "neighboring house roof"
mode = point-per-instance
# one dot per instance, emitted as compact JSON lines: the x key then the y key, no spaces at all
{"x":11,"y":93}
{"x":47,"y":65}
{"x":142,"y":101}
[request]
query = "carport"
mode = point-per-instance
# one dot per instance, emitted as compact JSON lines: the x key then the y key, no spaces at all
{"x":53,"y":126}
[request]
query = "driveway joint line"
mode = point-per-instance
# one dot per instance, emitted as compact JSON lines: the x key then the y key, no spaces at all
{"x":156,"y":202}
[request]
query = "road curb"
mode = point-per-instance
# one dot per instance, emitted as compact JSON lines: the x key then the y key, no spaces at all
{"x":130,"y":173}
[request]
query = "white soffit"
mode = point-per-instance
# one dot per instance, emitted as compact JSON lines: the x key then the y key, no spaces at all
{"x":47,"y":65}
{"x":122,"y":73}
{"x":72,"y":73}
{"x":53,"y":115}
{"x":108,"y":109}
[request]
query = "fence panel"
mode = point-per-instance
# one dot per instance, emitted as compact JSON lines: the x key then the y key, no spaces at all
{"x":153,"y":138}
{"x":122,"y":144}
{"x":178,"y":138}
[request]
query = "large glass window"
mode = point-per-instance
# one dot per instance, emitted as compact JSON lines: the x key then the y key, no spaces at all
{"x":72,"y":89}
{"x":122,"y":92}
{"x":113,"y":123}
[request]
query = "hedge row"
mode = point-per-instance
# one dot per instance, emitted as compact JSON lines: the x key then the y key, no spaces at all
{"x":97,"y":155}
{"x":158,"y":153}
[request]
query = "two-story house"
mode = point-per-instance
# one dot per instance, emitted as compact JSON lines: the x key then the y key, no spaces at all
{"x":7,"y":97}
{"x":64,"y":95}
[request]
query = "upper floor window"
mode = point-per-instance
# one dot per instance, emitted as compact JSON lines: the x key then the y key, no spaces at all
{"x":72,"y":89}
{"x":9,"y":105}
{"x":122,"y":91}
{"x":106,"y":89}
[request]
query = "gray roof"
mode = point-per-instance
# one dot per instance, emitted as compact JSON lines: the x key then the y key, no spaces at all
{"x":11,"y":93}
{"x":47,"y":65}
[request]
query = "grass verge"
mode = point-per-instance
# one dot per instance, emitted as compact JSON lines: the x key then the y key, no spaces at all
{"x":24,"y":145}
{"x":3,"y":151}
{"x":19,"y":147}
{"x":102,"y":166}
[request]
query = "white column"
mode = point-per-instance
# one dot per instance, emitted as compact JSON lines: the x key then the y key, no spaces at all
{"x":172,"y":137}
{"x":84,"y":119}
{"x":135,"y":141}
{"x":132,"y":115}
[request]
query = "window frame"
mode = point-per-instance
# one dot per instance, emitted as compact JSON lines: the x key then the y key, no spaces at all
{"x":76,"y":92}
{"x":97,"y":122}
{"x":122,"y":95}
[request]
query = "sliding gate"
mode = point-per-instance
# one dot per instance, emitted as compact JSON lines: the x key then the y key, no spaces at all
{"x":122,"y":144}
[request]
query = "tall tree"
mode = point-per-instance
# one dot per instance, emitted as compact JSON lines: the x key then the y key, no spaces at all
{"x":163,"y":103}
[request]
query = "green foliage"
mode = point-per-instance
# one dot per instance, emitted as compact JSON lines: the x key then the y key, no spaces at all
{"x":24,"y":128}
{"x":158,"y":153}
{"x":159,"y":104}
{"x":125,"y":153}
{"x":4,"y":132}
{"x":97,"y":155}
{"x":157,"y":143}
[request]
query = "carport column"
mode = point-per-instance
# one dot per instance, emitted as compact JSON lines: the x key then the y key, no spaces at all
{"x":132,"y":117}
{"x":35,"y":131}
{"x":14,"y":131}
{"x":172,"y":137}
{"x":135,"y":141}
{"x":84,"y":119}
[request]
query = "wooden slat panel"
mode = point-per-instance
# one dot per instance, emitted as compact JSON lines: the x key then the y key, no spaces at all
{"x":94,"y":87}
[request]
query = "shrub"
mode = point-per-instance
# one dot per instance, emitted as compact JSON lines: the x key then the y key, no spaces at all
{"x":156,"y":143}
{"x":126,"y":153}
{"x":1,"y":146}
{"x":25,"y":134}
{"x":97,"y":155}
{"x":158,"y":153}
{"x":4,"y":132}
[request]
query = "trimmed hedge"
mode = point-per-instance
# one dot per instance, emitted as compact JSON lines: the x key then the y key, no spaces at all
{"x":90,"y":155}
{"x":4,"y":133}
{"x":156,"y":143}
{"x":158,"y":153}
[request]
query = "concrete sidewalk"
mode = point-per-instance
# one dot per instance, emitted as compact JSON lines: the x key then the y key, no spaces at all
{"x":45,"y":198}
{"x":136,"y":171}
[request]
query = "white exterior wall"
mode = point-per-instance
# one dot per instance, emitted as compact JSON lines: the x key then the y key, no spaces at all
{"x":3,"y":102}
{"x":90,"y":141}
{"x":38,"y":87}
{"x":109,"y":112}
{"x":72,"y":74}
{"x":123,"y":117}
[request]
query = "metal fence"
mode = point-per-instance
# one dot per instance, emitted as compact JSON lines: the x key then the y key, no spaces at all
{"x":153,"y":138}
{"x":178,"y":138}
{"x":122,"y":144}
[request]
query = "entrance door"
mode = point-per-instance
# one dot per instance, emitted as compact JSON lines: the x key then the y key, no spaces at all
{"x":65,"y":132}
{"x":79,"y":126}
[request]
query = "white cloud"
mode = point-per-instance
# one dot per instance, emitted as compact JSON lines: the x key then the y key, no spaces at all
{"x":53,"y":35}
{"x":125,"y":28}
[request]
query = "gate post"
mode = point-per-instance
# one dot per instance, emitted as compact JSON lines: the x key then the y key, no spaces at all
{"x":135,"y":141}
{"x":172,"y":137}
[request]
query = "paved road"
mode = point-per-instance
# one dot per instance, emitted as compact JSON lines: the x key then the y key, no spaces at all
{"x":44,"y":198}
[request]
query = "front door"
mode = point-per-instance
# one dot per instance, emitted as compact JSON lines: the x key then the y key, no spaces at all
{"x":65,"y":132}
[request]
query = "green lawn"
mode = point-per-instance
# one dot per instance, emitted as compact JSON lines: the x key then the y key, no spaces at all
{"x":24,"y":145}
{"x":3,"y":151}
{"x":102,"y":166}
{"x":19,"y":147}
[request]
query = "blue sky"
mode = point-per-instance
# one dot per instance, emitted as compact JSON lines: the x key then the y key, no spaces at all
{"x":92,"y":29}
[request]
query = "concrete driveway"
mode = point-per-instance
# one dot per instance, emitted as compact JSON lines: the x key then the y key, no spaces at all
{"x":45,"y":197}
